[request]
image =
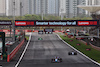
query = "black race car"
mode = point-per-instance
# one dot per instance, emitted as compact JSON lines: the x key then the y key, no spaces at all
{"x":40,"y":32}
{"x":72,"y":53}
{"x":46,"y":32}
{"x":56,"y":60}
{"x":50,"y":32}
{"x":40,"y":38}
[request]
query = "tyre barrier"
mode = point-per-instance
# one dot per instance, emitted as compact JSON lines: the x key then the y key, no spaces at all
{"x":71,"y":40}
{"x":78,"y":44}
{"x":35,"y":31}
{"x":88,"y":49}
{"x":56,"y":31}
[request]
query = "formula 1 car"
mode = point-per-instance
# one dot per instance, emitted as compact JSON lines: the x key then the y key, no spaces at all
{"x":40,"y":32}
{"x":56,"y":60}
{"x":50,"y":32}
{"x":72,"y":53}
{"x":46,"y":32}
{"x":40,"y":38}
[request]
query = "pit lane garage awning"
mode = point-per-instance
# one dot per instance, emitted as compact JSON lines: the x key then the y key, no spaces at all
{"x":90,"y":8}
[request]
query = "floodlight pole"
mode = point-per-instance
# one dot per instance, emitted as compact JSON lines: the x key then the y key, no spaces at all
{"x":13,"y":24}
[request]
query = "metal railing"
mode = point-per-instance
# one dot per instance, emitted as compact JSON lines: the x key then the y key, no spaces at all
{"x":85,"y":36}
{"x":11,"y":47}
{"x":95,"y":42}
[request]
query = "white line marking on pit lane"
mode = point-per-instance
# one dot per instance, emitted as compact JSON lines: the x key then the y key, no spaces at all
{"x":23,"y":51}
{"x":79,"y":51}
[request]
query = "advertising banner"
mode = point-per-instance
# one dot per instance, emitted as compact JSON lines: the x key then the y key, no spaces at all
{"x":24,"y":23}
{"x":5,"y":22}
{"x":57,"y":23}
{"x":48,"y":30}
{"x":87,"y":23}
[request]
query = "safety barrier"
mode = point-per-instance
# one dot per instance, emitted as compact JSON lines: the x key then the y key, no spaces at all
{"x":28,"y":30}
{"x":95,"y":47}
{"x":8,"y":31}
{"x":35,"y":31}
{"x":13,"y":49}
{"x":57,"y":31}
{"x":53,"y":31}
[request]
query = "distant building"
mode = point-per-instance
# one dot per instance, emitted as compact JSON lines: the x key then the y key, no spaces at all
{"x":62,"y":7}
{"x":24,"y":7}
{"x":2,"y":7}
{"x":10,"y":7}
{"x":53,"y":7}
{"x":92,"y":2}
{"x":46,"y":7}
{"x":72,"y":10}
{"x":36,"y":6}
{"x":67,"y":8}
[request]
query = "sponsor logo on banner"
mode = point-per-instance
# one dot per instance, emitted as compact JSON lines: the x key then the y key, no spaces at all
{"x":5,"y":23}
{"x":56,"y":23}
{"x":71,"y":23}
{"x":20,"y":23}
{"x":41,"y":23}
{"x":87,"y":23}
{"x":83,"y":23}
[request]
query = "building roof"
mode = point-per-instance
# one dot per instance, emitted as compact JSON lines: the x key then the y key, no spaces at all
{"x":90,"y":8}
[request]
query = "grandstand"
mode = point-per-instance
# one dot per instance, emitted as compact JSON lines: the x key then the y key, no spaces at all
{"x":93,"y":9}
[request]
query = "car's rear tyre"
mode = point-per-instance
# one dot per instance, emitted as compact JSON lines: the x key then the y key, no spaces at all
{"x":75,"y":53}
{"x":52,"y":60}
{"x":60,"y":59}
{"x":69,"y":53}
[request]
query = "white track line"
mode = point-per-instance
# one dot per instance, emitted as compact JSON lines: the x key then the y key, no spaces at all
{"x":79,"y":51}
{"x":23,"y":52}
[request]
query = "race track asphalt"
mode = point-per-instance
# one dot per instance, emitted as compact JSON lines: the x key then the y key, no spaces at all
{"x":40,"y":52}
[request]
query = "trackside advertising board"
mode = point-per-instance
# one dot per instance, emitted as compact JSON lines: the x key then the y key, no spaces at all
{"x":57,"y":23}
{"x":24,"y":23}
{"x":48,"y":30}
{"x":5,"y":22}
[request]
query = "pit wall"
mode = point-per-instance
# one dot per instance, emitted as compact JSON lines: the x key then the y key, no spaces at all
{"x":12,"y":53}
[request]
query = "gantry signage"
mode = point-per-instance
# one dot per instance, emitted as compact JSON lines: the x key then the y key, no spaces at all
{"x":57,"y":23}
{"x":5,"y":22}
{"x":24,"y":23}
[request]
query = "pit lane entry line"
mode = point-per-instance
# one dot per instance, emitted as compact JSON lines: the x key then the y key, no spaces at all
{"x":79,"y":51}
{"x":23,"y":52}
